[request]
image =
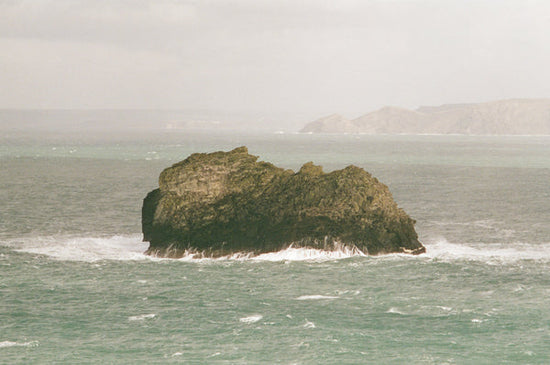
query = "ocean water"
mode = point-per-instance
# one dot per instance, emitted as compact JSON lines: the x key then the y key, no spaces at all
{"x":75,"y":286}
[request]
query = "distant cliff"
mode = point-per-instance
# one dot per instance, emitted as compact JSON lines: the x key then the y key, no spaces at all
{"x":223,"y":203}
{"x":503,"y":117}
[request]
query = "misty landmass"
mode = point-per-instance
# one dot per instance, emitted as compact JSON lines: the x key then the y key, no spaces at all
{"x":142,"y":120}
{"x":502,"y":117}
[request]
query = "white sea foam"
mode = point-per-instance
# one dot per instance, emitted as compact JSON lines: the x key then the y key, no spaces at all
{"x":130,"y":247}
{"x":309,"y":324}
{"x":89,"y":249}
{"x":142,"y":317}
{"x":288,"y":254}
{"x":494,"y":253}
{"x":395,"y":311}
{"x":251,"y":319}
{"x":309,"y":254}
{"x":315,"y":297}
{"x":18,"y":344}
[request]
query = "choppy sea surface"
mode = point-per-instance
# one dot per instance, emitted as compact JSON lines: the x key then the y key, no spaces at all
{"x":75,"y":286}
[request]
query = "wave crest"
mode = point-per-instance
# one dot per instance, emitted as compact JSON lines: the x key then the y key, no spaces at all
{"x":88,"y":249}
{"x":290,"y":253}
{"x":130,"y":247}
{"x":18,"y":344}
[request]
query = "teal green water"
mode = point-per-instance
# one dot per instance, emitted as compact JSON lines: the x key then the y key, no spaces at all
{"x":76,"y":288}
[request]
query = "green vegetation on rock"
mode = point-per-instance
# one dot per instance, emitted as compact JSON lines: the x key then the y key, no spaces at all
{"x":222,"y":203}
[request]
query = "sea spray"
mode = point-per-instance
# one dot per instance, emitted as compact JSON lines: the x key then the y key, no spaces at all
{"x":85,"y":248}
{"x":495,"y":253}
{"x":130,"y":248}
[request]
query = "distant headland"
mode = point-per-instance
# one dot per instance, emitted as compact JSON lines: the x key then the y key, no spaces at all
{"x":502,"y":117}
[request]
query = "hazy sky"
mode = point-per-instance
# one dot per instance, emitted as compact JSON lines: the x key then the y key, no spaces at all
{"x":271,"y":56}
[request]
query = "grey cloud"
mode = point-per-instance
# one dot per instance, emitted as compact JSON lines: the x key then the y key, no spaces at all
{"x":318,"y":56}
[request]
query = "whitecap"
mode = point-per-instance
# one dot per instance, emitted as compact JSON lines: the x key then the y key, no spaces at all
{"x":4,"y":344}
{"x":251,"y":319}
{"x":315,"y":297}
{"x":130,"y":247}
{"x":395,"y":311}
{"x":309,"y":324}
{"x":142,"y":317}
{"x":288,"y":254}
{"x":493,"y":253}
{"x":310,"y":254}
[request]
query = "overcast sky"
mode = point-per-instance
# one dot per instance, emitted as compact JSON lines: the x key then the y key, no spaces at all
{"x":271,"y":56}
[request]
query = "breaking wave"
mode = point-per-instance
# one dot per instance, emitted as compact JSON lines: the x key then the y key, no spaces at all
{"x":88,"y":249}
{"x":305,"y":254}
{"x":130,"y":247}
{"x":18,"y":344}
{"x":288,"y":254}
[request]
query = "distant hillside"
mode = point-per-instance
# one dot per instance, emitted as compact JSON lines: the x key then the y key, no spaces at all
{"x":334,"y":123}
{"x":503,"y":117}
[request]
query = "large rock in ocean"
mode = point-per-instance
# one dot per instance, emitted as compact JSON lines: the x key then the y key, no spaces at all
{"x":222,"y":203}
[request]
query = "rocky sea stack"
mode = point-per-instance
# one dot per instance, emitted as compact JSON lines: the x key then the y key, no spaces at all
{"x":222,"y":203}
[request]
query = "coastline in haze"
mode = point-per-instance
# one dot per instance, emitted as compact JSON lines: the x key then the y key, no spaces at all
{"x":503,"y":117}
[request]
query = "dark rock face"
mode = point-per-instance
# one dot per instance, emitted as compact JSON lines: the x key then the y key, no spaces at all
{"x":226,"y":202}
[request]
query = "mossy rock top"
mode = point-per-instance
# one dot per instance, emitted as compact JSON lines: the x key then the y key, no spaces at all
{"x":221,"y":203}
